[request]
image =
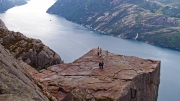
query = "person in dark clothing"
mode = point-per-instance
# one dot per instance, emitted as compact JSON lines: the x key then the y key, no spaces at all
{"x":98,"y":53}
{"x":102,"y":64}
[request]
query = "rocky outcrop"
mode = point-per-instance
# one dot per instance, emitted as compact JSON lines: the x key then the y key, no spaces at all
{"x":2,"y":25}
{"x":15,"y":84}
{"x":124,"y":78}
{"x":31,"y":51}
{"x":142,"y":20}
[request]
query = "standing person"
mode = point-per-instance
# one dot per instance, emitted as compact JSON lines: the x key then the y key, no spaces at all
{"x":102,"y":64}
{"x":98,"y":53}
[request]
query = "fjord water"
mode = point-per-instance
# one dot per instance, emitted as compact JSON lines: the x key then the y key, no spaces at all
{"x":71,"y":41}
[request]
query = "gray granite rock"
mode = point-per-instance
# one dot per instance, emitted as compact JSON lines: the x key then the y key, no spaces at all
{"x":15,"y":84}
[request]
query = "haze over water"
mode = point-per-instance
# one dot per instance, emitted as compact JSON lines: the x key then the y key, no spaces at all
{"x":71,"y":41}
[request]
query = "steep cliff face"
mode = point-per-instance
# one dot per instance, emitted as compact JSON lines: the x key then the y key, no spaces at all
{"x":2,"y":25}
{"x":31,"y":51}
{"x":15,"y":85}
{"x":124,"y":78}
{"x":6,"y":4}
{"x":132,"y":19}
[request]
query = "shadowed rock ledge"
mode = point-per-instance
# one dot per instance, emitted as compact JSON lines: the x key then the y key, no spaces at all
{"x":124,"y":78}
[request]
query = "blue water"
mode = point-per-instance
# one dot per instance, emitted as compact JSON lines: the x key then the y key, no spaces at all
{"x":71,"y":41}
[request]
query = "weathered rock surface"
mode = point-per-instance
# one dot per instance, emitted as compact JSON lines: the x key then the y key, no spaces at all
{"x":15,"y":84}
{"x":31,"y":51}
{"x":2,"y":25}
{"x":124,"y":78}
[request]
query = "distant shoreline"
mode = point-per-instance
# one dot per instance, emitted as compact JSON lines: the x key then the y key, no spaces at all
{"x":4,"y":6}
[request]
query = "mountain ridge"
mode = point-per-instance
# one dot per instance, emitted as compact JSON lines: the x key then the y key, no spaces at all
{"x":122,"y":18}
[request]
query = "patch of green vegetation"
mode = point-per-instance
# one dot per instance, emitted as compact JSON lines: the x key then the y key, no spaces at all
{"x":158,"y":11}
{"x":171,"y":11}
{"x":164,"y":39}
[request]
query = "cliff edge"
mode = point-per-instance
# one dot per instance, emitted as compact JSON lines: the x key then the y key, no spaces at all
{"x":124,"y":78}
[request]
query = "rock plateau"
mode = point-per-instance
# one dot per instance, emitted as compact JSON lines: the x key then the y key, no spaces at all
{"x":124,"y":78}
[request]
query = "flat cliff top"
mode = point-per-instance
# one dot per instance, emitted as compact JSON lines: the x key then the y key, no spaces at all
{"x":111,"y":82}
